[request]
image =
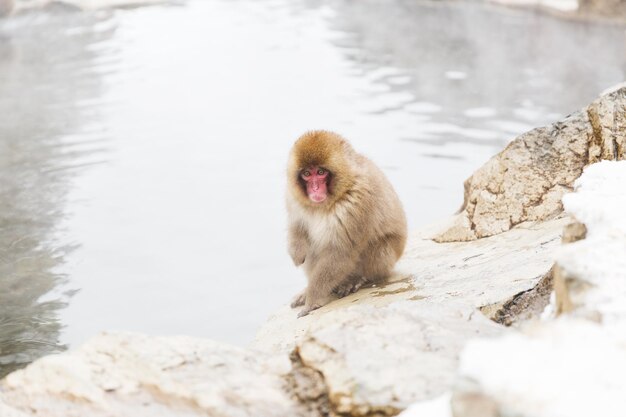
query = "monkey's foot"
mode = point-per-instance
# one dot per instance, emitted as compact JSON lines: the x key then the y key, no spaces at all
{"x":306,"y":310}
{"x":298,"y":300}
{"x":350,"y":286}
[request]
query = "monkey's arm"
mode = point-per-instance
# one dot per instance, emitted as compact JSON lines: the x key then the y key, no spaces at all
{"x":298,"y":243}
{"x":331,"y":267}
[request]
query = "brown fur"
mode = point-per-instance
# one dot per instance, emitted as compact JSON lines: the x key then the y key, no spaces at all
{"x":356,"y":235}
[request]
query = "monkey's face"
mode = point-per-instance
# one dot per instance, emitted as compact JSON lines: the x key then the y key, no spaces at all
{"x":315,"y":181}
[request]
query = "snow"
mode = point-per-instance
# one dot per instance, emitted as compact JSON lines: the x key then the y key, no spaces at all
{"x":437,"y":407}
{"x":570,"y":366}
{"x":567,"y":368}
{"x":600,"y":259}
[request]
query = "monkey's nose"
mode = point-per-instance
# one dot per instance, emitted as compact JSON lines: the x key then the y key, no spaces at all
{"x":314,"y":185}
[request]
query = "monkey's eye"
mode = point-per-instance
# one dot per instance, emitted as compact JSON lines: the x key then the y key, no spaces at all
{"x":320,"y":171}
{"x":306,"y":173}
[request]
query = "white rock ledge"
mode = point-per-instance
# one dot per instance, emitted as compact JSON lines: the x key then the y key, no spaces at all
{"x":468,"y":275}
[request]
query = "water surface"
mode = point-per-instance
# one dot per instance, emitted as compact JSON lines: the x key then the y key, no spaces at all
{"x":142,"y":151}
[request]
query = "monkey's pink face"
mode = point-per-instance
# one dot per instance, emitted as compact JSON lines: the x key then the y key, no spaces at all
{"x":316,"y":180}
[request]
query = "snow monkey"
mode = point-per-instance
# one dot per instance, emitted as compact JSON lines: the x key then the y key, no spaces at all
{"x":346,"y":223}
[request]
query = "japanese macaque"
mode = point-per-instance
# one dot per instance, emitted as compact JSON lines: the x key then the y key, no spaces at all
{"x":346,"y":223}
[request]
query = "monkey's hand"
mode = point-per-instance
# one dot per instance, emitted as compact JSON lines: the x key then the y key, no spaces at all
{"x":299,"y":300}
{"x":307,"y":309}
{"x":297,"y":253}
{"x":315,"y":298}
{"x":297,"y":243}
{"x":349,"y":286}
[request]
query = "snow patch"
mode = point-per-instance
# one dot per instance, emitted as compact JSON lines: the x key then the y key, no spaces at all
{"x":570,"y":366}
{"x":567,"y":368}
{"x":437,"y":407}
{"x":600,"y":259}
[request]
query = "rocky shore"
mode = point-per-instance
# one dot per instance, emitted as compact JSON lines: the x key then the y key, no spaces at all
{"x":605,"y":10}
{"x":513,"y":307}
{"x":608,"y":10}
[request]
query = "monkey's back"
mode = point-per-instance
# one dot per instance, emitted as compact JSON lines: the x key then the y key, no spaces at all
{"x":384,"y":212}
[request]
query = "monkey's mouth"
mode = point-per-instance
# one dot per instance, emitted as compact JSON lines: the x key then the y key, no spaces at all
{"x":316,"y":190}
{"x":317,"y":198}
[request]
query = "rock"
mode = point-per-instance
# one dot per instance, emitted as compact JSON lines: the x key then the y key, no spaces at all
{"x":605,"y":8}
{"x":379,"y":350}
{"x":377,"y":361}
{"x":6,"y":411}
{"x":6,"y":7}
{"x":471,"y":404}
{"x":607,"y":116}
{"x":137,"y":375}
{"x":572,"y":366}
{"x":525,"y":182}
{"x":523,"y":306}
{"x":574,"y":232}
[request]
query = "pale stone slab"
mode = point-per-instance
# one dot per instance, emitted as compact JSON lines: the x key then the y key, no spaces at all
{"x":123,"y":374}
{"x":380,"y":360}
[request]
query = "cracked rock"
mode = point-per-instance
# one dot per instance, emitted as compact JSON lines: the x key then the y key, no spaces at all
{"x":375,"y":362}
{"x":524,"y":306}
{"x":525,"y":182}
